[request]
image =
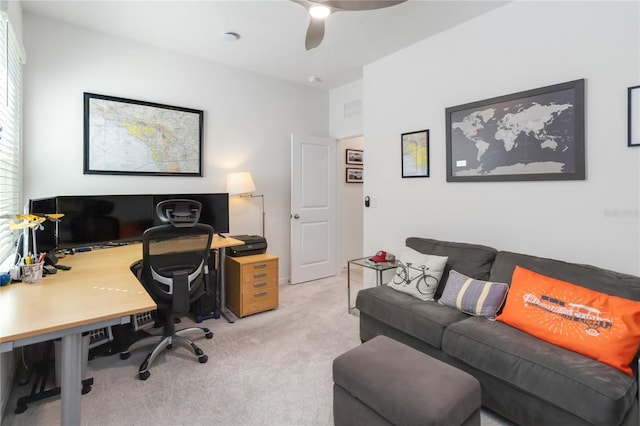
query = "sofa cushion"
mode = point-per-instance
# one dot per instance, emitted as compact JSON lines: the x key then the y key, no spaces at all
{"x":597,"y":279}
{"x":418,"y":274}
{"x":470,"y":259}
{"x":600,"y":326}
{"x":473,"y":297}
{"x":580,"y":385}
{"x":423,"y":320}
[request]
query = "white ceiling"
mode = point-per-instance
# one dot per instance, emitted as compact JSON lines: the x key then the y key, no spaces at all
{"x":272,"y":32}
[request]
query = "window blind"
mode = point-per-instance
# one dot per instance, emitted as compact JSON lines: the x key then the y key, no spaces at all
{"x":11,"y":60}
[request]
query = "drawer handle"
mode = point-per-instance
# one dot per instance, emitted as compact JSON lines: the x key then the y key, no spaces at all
{"x":259,"y":265}
{"x":262,"y":274}
{"x":260,"y":284}
{"x":260,"y":294}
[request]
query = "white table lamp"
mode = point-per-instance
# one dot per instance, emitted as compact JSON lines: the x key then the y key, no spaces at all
{"x":241,"y":184}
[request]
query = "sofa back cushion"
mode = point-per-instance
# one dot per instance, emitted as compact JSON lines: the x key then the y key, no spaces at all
{"x":591,"y":277}
{"x":469,"y":259}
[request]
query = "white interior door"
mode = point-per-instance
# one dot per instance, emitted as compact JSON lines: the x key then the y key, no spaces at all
{"x":313,"y":208}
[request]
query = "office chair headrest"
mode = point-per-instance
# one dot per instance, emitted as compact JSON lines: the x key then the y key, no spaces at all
{"x":180,"y":213}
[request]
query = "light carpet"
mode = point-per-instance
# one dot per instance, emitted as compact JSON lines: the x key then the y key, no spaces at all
{"x":272,"y":368}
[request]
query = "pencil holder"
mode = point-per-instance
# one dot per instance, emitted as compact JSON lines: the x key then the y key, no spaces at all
{"x":32,"y":273}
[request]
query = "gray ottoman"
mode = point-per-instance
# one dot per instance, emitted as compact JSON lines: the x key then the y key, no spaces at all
{"x":383,"y":382}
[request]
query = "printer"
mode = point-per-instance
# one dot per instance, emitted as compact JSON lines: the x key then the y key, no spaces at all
{"x":253,"y":244}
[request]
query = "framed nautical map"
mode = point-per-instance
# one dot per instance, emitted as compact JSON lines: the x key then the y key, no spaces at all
{"x":129,"y":137}
{"x":533,"y":135}
{"x":415,"y":154}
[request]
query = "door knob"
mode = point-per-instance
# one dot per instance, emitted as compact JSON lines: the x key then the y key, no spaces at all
{"x":295,"y":216}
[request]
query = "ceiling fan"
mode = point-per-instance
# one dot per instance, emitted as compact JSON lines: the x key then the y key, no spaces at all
{"x":319,"y":10}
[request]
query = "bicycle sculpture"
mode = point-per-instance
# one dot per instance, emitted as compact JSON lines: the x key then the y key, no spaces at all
{"x":406,"y":274}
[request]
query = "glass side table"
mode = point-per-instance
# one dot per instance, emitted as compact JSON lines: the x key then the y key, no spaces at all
{"x":364,"y":262}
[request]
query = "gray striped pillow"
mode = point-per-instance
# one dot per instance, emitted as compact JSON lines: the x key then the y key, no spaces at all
{"x":474,"y":297}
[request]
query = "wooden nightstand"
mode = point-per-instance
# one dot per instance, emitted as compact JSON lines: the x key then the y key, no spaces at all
{"x":251,"y":283}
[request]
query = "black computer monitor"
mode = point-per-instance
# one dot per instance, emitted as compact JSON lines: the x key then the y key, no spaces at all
{"x":91,"y":220}
{"x":103,"y":219}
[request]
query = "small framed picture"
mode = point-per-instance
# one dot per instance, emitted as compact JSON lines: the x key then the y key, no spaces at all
{"x":634,"y":116}
{"x":415,"y":154}
{"x":354,"y":175}
{"x":354,"y":156}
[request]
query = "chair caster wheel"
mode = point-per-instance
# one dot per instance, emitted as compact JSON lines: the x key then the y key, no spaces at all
{"x":209,"y":335}
{"x":203,"y":359}
{"x":125,"y":355}
{"x":144,"y":375}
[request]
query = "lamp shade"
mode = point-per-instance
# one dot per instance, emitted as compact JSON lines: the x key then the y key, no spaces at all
{"x":240,"y":183}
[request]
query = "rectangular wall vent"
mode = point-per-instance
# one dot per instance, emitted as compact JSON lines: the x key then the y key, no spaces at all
{"x":353,"y":108}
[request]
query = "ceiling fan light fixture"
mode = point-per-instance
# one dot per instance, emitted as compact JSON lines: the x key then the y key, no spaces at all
{"x":319,"y":11}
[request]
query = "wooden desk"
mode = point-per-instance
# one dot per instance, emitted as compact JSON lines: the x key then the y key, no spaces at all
{"x":99,"y":291}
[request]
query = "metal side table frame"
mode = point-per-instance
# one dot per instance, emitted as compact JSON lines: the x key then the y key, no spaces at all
{"x":364,"y":262}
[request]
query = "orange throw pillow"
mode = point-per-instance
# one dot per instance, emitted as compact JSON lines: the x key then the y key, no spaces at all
{"x":597,"y":325}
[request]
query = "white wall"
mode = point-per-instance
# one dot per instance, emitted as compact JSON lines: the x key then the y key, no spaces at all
{"x":248,"y":121}
{"x":350,"y":202}
{"x":345,"y":123}
{"x":520,"y":46}
{"x":345,"y":119}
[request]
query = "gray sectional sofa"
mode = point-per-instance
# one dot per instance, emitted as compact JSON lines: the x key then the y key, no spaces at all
{"x":524,"y":379}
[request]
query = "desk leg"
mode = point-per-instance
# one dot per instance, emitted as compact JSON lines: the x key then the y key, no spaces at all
{"x":227,"y":314}
{"x":71,"y":380}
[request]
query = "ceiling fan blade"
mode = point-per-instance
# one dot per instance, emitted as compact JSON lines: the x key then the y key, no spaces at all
{"x":361,"y":4}
{"x":315,"y":33}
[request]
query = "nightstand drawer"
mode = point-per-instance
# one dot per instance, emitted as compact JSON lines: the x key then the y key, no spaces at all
{"x":259,"y":300}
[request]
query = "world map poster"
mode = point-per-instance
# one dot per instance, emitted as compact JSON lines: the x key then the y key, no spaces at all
{"x":533,"y":135}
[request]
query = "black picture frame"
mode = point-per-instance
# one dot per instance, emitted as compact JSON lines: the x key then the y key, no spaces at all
{"x":354,"y":175}
{"x":354,"y":156}
{"x":633,"y":116}
{"x":130,"y":137}
{"x":531,"y":136}
{"x":415,"y":154}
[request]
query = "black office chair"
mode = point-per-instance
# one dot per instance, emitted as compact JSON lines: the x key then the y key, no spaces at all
{"x":175,"y":272}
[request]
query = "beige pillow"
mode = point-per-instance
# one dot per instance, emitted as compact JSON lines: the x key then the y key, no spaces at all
{"x":418,"y":274}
